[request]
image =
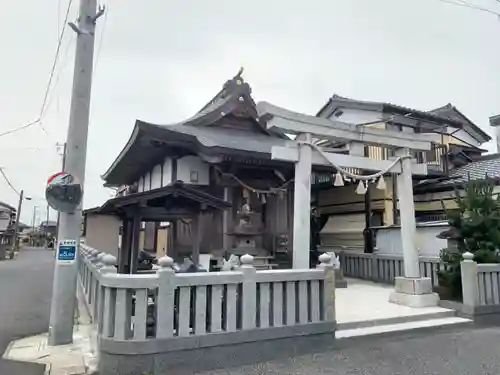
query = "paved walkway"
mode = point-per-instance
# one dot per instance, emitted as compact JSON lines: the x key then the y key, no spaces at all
{"x":364,"y":301}
{"x":25,"y":289}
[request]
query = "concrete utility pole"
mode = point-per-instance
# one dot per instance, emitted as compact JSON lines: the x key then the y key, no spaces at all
{"x":63,"y":170}
{"x":34,"y":218}
{"x":15,"y":244}
{"x":47,"y":226}
{"x":62,"y":307}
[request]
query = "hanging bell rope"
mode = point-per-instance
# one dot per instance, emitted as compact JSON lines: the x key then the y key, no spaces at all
{"x":345,"y":172}
{"x":381,"y":183}
{"x":339,"y":180}
{"x":362,"y":188}
{"x":272,"y":190}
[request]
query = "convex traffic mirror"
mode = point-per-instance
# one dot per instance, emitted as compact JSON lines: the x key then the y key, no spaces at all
{"x":64,"y":192}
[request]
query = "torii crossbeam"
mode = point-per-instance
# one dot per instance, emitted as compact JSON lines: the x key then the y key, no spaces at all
{"x":304,"y":155}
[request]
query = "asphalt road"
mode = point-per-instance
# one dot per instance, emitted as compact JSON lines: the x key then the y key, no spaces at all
{"x":467,"y":351}
{"x":25,"y":289}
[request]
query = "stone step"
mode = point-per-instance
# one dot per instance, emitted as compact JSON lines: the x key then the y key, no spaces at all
{"x":447,"y":313}
{"x":411,"y":326}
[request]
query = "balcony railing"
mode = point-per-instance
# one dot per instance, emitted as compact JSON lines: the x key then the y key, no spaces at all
{"x":436,"y":160}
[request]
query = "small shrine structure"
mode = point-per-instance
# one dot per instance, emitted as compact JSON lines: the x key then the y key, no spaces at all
{"x":223,"y":154}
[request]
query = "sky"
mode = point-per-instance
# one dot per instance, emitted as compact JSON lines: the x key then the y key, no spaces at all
{"x":161,"y":61}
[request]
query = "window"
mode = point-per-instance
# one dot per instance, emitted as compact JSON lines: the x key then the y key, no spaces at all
{"x":193,"y":176}
{"x":338,"y":113}
{"x":430,"y":156}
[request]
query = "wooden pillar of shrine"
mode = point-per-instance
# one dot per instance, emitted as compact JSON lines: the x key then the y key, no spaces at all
{"x":136,"y":233}
{"x":125,"y":249}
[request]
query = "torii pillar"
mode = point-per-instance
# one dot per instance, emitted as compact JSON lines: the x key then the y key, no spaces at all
{"x":410,"y":290}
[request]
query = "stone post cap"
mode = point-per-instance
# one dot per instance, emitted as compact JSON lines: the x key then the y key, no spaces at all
{"x":108,"y":260}
{"x":468,"y":256}
{"x":325,"y":258}
{"x":96,"y":256}
{"x":246,"y":260}
{"x":165,"y":262}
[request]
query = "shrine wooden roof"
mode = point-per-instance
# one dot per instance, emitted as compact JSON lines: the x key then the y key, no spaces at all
{"x":227,"y":125}
{"x":176,"y":200}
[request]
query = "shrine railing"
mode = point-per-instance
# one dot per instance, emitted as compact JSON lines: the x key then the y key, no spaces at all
{"x":480,"y":286}
{"x":385,"y":268}
{"x":207,"y":309}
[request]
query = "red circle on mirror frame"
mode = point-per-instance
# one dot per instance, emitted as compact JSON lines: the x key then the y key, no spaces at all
{"x":54,"y":176}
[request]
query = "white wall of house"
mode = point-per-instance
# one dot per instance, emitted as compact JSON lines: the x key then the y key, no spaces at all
{"x":167,"y":172}
{"x":192,"y":170}
{"x":140,"y":184}
{"x":4,"y":218}
{"x":147,"y":181}
{"x":462,"y":135}
{"x":102,"y":233}
{"x":357,"y":116}
{"x":156,"y":177}
{"x":428,"y":245}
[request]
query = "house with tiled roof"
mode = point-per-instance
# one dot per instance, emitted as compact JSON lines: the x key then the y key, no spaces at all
{"x":469,"y":163}
{"x":434,"y":195}
{"x":457,"y":151}
{"x":215,"y":170}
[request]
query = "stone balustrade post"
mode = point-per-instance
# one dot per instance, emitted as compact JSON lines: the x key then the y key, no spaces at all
{"x":470,"y":290}
{"x":93,"y":257}
{"x":165,"y":302}
{"x":329,"y":287}
{"x":98,"y":260}
{"x":249,"y":291}
{"x":106,"y":265}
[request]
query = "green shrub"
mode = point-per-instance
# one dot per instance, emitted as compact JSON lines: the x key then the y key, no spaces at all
{"x":475,"y":227}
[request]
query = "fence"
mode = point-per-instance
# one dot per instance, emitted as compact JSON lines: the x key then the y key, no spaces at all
{"x":480,"y":286}
{"x":204,"y":309}
{"x":385,"y":268}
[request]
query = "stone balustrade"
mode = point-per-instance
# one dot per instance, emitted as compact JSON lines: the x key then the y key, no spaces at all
{"x":480,"y":287}
{"x":385,"y":268}
{"x":167,"y":316}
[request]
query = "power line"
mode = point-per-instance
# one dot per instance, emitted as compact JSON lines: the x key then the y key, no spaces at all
{"x":47,"y":90}
{"x":99,"y":46}
{"x":465,"y":4}
{"x":8,"y":182}
{"x":22,"y":127}
{"x":63,"y":65}
{"x":56,"y":58}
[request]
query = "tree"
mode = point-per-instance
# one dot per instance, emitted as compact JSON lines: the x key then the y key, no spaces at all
{"x":477,"y":220}
{"x":475,"y":226}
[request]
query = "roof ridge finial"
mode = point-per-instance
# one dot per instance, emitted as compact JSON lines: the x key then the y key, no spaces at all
{"x":240,"y":72}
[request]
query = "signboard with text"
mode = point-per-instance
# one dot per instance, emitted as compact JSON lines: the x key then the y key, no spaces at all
{"x":66,"y":251}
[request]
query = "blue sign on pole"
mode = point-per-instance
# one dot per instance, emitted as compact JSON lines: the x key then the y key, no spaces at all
{"x":66,"y":251}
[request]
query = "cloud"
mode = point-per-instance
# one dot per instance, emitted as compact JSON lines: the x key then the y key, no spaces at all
{"x":161,"y":61}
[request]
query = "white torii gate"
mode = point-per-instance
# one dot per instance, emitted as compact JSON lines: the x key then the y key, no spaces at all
{"x":412,"y":289}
